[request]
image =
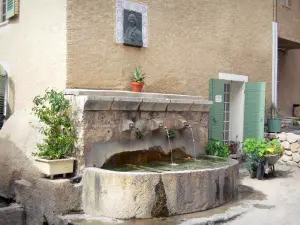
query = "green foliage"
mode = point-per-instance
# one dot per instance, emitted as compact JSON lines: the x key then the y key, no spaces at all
{"x":295,"y":122}
{"x":138,"y":76}
{"x":252,"y":160}
{"x":255,"y":151}
{"x":217,"y":148}
{"x":53,"y":111}
{"x":274,"y":110}
{"x":171,"y":134}
{"x":262,"y":147}
{"x":138,"y":134}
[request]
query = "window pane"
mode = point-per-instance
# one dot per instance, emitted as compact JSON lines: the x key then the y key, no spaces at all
{"x":227,"y":116}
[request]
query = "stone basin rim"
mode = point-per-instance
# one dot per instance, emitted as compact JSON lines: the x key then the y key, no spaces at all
{"x":231,"y":162}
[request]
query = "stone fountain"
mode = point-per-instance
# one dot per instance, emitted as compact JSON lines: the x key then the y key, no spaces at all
{"x":123,"y":133}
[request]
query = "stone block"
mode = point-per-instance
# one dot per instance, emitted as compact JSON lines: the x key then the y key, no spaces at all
{"x":43,"y":199}
{"x":12,"y":215}
{"x":126,"y":103}
{"x":98,"y":103}
{"x":295,"y":147}
{"x":281,"y":136}
{"x":296,"y":157}
{"x":154,"y":104}
{"x":272,"y":136}
{"x":179,"y":105}
{"x":286,"y":145}
{"x":286,"y":158}
{"x":292,"y":138}
{"x":289,"y":153}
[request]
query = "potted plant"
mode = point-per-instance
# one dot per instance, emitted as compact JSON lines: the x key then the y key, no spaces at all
{"x":137,"y":80}
{"x":273,"y":123}
{"x":53,"y":112}
{"x":233,"y":147}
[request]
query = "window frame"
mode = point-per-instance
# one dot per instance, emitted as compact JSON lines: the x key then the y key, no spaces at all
{"x":286,"y":3}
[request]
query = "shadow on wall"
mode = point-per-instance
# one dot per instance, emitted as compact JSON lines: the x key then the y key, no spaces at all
{"x":17,"y":142}
{"x":11,"y":97}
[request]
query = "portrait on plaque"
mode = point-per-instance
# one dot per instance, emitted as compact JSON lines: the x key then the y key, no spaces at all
{"x":132,"y":27}
{"x":131,"y":23}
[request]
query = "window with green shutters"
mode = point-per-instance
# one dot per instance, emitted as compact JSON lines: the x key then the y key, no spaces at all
{"x":8,"y":9}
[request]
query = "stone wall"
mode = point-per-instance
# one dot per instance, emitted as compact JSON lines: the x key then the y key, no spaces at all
{"x":291,"y":144}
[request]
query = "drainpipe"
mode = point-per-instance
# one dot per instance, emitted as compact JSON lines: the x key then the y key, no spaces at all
{"x":275,"y":54}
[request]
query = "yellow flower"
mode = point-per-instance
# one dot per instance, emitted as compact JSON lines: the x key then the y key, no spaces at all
{"x":271,"y":150}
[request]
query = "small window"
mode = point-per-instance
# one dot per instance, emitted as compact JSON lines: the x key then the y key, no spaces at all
{"x":286,"y":3}
{"x":8,"y":9}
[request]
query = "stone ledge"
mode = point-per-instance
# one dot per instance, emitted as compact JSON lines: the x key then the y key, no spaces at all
{"x":132,"y":101}
{"x":98,"y":102}
{"x":149,"y":104}
{"x":126,"y":103}
{"x":179,"y":105}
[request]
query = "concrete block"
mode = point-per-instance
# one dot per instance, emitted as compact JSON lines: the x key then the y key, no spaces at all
{"x":179,"y":105}
{"x":154,"y":104}
{"x":98,"y":103}
{"x":126,"y":103}
{"x":12,"y":215}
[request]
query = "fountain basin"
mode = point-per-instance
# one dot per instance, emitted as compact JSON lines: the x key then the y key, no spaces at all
{"x":143,"y":194}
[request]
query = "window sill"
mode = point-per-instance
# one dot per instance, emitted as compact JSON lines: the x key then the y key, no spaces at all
{"x":4,"y":23}
{"x":286,"y":7}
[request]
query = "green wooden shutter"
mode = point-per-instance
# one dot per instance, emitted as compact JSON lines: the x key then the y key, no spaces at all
{"x":2,"y":97}
{"x":254,"y":115}
{"x":216,"y":115}
{"x":10,"y":8}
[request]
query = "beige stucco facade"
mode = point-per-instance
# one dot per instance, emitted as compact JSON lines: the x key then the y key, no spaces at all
{"x":188,"y":44}
{"x":289,"y":20}
{"x":33,"y":50}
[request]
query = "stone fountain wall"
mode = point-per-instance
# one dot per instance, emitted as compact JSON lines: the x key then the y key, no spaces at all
{"x":104,"y":120}
{"x":291,"y":144}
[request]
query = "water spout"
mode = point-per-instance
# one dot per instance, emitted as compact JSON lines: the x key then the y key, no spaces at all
{"x":170,"y":146}
{"x":156,"y":124}
{"x":190,"y":127}
{"x":128,"y":125}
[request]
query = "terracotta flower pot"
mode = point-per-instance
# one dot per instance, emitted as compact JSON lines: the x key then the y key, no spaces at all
{"x":137,"y":86}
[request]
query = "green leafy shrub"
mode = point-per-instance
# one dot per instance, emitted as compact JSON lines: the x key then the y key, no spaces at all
{"x":217,"y":148}
{"x":53,"y":111}
{"x":255,"y":151}
{"x":262,"y":147}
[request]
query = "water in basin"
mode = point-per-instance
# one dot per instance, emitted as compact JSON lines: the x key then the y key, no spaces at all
{"x":178,"y":165}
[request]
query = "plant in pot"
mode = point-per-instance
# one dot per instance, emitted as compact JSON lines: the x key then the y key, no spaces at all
{"x":273,"y":123}
{"x":137,"y":80}
{"x":53,"y":112}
